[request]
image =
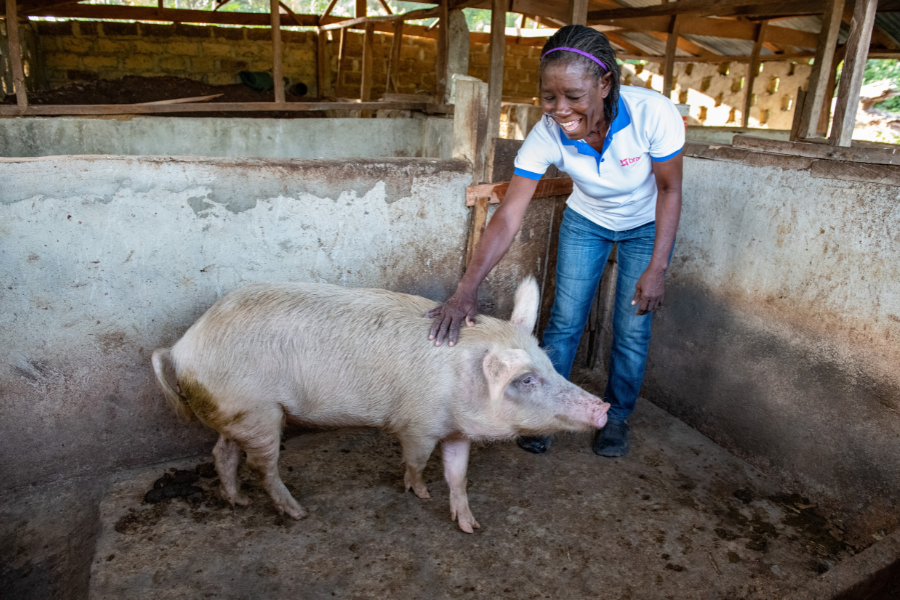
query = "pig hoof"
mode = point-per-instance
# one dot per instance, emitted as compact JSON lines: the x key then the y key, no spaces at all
{"x":296,"y":513}
{"x":242,"y":500}
{"x":468,"y":524}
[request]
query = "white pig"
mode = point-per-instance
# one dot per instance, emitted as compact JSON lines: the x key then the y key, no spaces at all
{"x":332,"y":356}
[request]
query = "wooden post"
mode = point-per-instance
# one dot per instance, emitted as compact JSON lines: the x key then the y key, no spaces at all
{"x":852,"y":73}
{"x":365,"y":91}
{"x":798,"y":116}
{"x":321,"y":64}
{"x":825,"y":115}
{"x":15,"y":53}
{"x":498,"y":48}
{"x":275,"y":9}
{"x":578,"y":10}
{"x":342,"y":48}
{"x":753,"y":70}
{"x":671,"y":46}
{"x":360,"y":8}
{"x":443,"y":50}
{"x":470,"y":124}
{"x":818,"y":78}
{"x":393,"y":74}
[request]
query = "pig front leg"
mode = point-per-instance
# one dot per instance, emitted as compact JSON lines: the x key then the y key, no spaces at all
{"x":456,"y":461}
{"x":416,"y":451}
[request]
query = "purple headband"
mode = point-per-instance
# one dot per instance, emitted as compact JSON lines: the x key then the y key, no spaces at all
{"x":581,"y":52}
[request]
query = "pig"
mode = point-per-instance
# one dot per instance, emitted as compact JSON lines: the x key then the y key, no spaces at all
{"x":332,"y":356}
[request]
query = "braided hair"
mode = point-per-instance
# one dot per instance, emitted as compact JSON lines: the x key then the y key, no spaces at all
{"x":594,"y":43}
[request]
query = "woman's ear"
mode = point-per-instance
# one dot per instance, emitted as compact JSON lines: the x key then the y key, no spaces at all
{"x":605,"y":84}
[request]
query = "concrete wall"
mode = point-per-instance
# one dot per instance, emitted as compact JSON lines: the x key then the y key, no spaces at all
{"x":779,"y":338}
{"x":102,"y":260}
{"x":263,"y":138}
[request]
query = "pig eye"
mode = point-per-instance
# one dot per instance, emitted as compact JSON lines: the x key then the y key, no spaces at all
{"x":529,"y":380}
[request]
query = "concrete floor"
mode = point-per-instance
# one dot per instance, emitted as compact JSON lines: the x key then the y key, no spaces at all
{"x":663,"y":522}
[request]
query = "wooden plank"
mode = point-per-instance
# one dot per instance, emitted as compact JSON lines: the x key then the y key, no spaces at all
{"x":410,"y":16}
{"x":858,"y":154}
{"x":342,"y":49}
{"x":620,"y":41}
{"x":669,"y":66}
{"x":181,"y":100}
{"x":684,"y":44}
{"x":393,"y":74}
{"x":138,"y":109}
{"x":753,"y":71}
{"x":470,"y":123}
{"x":798,"y":115}
{"x":443,"y":50}
{"x":15,"y":53}
{"x":498,"y":48}
{"x":682,"y":7}
{"x":176,"y":15}
{"x":360,"y":10}
{"x":818,"y":78}
{"x":852,"y":73}
{"x":275,"y":14}
{"x":578,"y":10}
{"x":321,"y":64}
{"x":479,"y":221}
{"x":825,"y":116}
{"x":365,"y":90}
{"x":546,"y":188}
{"x":385,"y":6}
{"x":291,"y":14}
{"x":329,"y":8}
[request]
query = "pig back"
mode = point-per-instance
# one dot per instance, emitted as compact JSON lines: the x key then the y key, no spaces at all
{"x":328,"y":355}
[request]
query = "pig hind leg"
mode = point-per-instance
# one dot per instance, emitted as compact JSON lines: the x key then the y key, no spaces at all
{"x":260,"y":438}
{"x":227,"y":455}
{"x":416,"y":451}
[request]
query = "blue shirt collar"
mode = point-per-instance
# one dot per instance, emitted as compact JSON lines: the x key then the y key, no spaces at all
{"x":622,"y":120}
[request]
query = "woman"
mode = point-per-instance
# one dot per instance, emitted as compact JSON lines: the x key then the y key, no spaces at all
{"x":622,"y":149}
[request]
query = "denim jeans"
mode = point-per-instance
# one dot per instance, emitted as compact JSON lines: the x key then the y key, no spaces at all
{"x":584,"y":248}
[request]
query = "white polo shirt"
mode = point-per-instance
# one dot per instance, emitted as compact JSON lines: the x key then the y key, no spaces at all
{"x":615,"y":189}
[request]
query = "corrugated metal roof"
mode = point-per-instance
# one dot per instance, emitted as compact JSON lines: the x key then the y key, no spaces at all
{"x":650,"y":44}
{"x":889,"y":22}
{"x":723,"y":46}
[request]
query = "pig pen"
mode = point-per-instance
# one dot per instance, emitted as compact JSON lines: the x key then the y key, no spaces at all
{"x":106,"y":258}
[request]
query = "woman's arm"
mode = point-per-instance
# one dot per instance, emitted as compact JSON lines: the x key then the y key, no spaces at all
{"x":496,"y":240}
{"x":648,"y":293}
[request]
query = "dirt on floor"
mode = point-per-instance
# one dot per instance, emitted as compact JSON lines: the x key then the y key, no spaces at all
{"x":135,"y":90}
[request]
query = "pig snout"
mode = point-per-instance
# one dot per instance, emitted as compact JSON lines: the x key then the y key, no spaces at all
{"x":592,"y":410}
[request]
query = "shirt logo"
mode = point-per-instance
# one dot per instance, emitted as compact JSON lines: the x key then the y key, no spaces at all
{"x":629,"y":161}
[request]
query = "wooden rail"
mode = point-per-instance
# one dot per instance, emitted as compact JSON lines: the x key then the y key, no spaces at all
{"x":9,"y":110}
{"x":546,"y":188}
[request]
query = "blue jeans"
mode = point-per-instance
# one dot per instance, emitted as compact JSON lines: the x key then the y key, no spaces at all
{"x":584,"y":248}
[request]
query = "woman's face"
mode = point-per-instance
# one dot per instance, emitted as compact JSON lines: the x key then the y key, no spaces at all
{"x":572,"y":98}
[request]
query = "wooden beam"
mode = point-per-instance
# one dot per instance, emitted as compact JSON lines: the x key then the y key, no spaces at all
{"x":15,"y":53}
{"x":682,"y":7}
{"x":7,"y":110}
{"x":753,"y":71}
{"x":360,"y":10}
{"x":385,"y":6}
{"x":498,"y":48}
{"x":669,"y":65}
{"x":683,"y":44}
{"x":470,"y":124}
{"x":725,"y":28}
{"x":175,"y":15}
{"x":393,"y":74}
{"x":291,"y":14}
{"x":410,"y":16}
{"x":329,"y":8}
{"x":825,"y":116}
{"x":342,"y":49}
{"x":443,"y":50}
{"x":321,"y":64}
{"x":368,"y":61}
{"x":275,"y":13}
{"x":852,"y":73}
{"x":578,"y":10}
{"x":818,"y":78}
{"x":553,"y":186}
{"x":620,"y":41}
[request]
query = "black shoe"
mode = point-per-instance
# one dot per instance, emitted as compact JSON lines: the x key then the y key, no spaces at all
{"x":612,"y":440}
{"x":536,"y":444}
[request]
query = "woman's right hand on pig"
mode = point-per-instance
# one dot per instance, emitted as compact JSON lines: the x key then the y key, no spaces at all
{"x":449,"y":317}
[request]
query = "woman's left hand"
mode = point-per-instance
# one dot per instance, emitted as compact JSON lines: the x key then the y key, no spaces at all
{"x":649,"y":291}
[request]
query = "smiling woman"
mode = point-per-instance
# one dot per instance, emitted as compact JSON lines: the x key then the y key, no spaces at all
{"x":622,"y":149}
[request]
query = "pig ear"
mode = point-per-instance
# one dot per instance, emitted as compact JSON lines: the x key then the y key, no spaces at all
{"x":500,"y":367}
{"x":525,"y":312}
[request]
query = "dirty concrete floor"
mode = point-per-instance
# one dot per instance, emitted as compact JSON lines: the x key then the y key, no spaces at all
{"x":664,"y":522}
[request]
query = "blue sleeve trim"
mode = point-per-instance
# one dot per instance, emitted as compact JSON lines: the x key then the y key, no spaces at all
{"x":528,"y":174}
{"x":669,"y":157}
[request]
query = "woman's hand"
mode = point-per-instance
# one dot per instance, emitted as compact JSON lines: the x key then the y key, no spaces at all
{"x":449,"y":317}
{"x":649,"y":291}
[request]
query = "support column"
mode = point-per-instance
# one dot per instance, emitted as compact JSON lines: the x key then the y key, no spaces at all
{"x":342,"y":49}
{"x":669,"y":67}
{"x":15,"y":53}
{"x":753,"y":71}
{"x":393,"y":74}
{"x":498,"y":48}
{"x":443,"y":50}
{"x":825,"y":115}
{"x":321,"y":64}
{"x":275,"y":9}
{"x":578,"y":10}
{"x":365,"y":92}
{"x":852,"y":73}
{"x":818,"y":78}
{"x":470,"y":124}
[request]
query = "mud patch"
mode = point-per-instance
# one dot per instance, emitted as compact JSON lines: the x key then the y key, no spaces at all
{"x":822,"y":537}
